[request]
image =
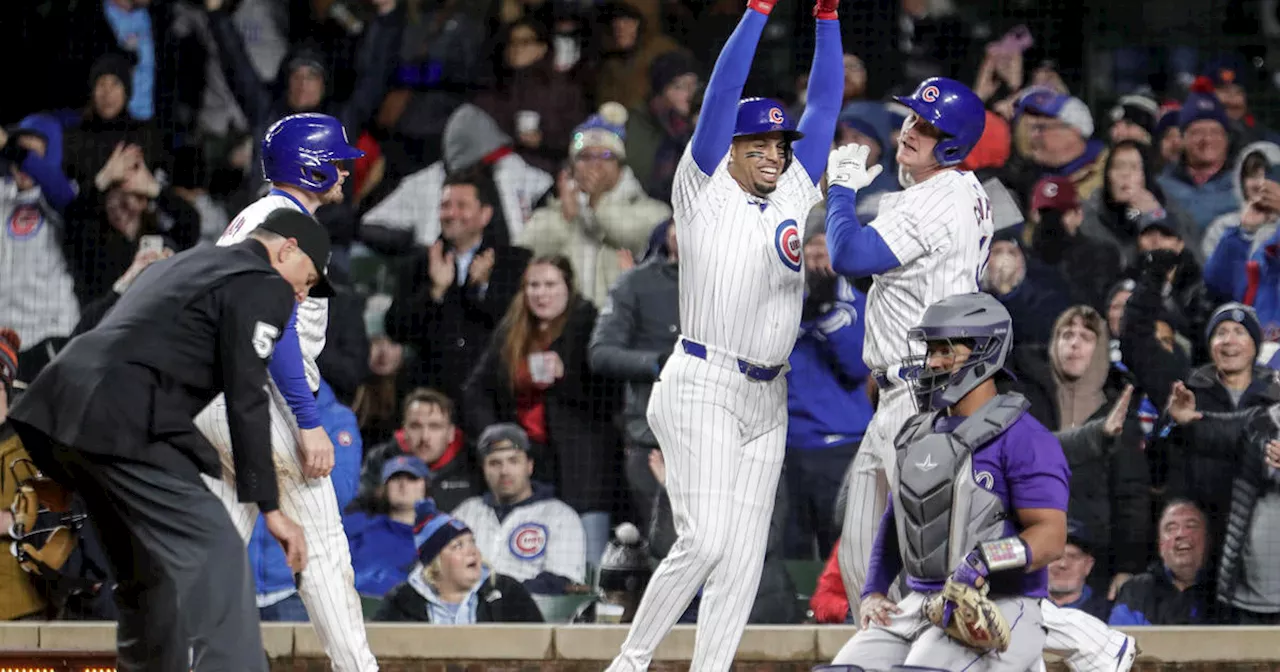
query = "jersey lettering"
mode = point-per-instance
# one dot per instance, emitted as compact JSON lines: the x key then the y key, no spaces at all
{"x":264,"y":339}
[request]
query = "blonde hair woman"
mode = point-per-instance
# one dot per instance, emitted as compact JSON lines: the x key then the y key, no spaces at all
{"x":452,"y":584}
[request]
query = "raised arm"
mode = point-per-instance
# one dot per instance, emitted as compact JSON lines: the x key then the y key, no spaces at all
{"x":826,"y":92}
{"x":714,"y":131}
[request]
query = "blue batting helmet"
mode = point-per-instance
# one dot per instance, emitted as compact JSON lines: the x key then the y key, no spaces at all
{"x":952,"y":108}
{"x":301,"y":150}
{"x":764,"y":115}
{"x":980,"y":320}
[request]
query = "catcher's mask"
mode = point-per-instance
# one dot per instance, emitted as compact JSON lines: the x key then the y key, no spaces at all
{"x":976,"y":321}
{"x":44,"y":528}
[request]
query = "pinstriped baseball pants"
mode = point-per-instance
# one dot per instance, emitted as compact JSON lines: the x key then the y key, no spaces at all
{"x":723,"y":437}
{"x":328,"y":584}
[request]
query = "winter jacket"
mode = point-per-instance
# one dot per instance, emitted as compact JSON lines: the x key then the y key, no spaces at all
{"x":450,"y":335}
{"x":271,"y":572}
{"x":1150,"y":598}
{"x":1231,"y":220}
{"x":584,"y":458}
{"x":656,"y":139}
{"x":1231,"y":446}
{"x":623,"y":76}
{"x":1090,"y":602}
{"x":539,"y":88}
{"x":1117,"y":224}
{"x":1110,"y":482}
{"x":1154,"y":368}
{"x":621,"y":220}
{"x":1203,"y":465}
{"x":382,"y":552}
{"x":637,"y":328}
{"x":455,"y":477}
{"x":1037,"y":301}
{"x":500,"y":599}
{"x":776,"y":596}
{"x":827,"y":402}
{"x":1204,"y":202}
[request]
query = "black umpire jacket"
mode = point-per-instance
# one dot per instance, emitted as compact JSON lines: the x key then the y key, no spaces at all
{"x":190,"y":327}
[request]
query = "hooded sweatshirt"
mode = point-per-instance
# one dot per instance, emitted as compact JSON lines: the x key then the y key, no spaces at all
{"x":1080,"y":398}
{"x":1271,"y":152}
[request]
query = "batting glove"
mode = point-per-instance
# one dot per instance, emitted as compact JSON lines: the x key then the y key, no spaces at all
{"x":847,"y":167}
{"x":825,"y":10}
{"x":762,"y":6}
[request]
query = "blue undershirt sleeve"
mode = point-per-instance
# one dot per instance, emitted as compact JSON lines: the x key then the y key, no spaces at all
{"x":290,"y":378}
{"x":856,"y":251}
{"x":714,"y":131}
{"x":825,"y":93}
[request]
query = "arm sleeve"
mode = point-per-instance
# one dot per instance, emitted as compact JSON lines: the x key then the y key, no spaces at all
{"x":254,"y":312}
{"x":886,"y":557}
{"x":54,"y":185}
{"x":714,"y":131}
{"x":856,"y":251}
{"x":826,"y":92}
{"x":286,"y":371}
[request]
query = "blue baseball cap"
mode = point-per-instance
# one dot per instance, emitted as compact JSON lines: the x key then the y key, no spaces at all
{"x":405,"y":464}
{"x":1066,"y":108}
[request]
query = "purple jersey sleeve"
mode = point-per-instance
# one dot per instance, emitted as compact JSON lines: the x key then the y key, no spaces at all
{"x":1034,"y":467}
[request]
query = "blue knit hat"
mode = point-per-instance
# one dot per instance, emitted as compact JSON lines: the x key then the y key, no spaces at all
{"x":607,"y":128}
{"x":1201,"y":104}
{"x":1236,"y":312}
{"x":434,"y":530}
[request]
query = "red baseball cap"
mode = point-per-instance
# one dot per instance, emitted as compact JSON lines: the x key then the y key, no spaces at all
{"x":1055,"y":193}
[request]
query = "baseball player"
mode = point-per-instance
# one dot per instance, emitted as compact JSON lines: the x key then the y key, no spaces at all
{"x":978,"y":507}
{"x":300,"y":157}
{"x":929,"y":241}
{"x":741,"y":194}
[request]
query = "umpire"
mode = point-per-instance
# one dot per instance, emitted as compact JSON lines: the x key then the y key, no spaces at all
{"x":111,"y":417}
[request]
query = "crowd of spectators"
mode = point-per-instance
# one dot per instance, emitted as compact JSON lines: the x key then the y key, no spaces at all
{"x":508,"y":274}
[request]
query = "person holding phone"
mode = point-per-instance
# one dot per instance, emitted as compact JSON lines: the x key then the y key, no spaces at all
{"x":535,"y":374}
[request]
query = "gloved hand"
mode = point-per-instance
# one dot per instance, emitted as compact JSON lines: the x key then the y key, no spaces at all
{"x":1156,"y":264}
{"x":972,"y":572}
{"x":762,"y":6}
{"x":820,"y":297}
{"x":847,"y":167}
{"x":825,"y":10}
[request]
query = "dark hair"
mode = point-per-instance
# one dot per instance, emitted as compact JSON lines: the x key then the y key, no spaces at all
{"x":1149,"y":171}
{"x":430,"y":397}
{"x":1253,"y":163}
{"x":519,"y":324}
{"x":485,"y":191}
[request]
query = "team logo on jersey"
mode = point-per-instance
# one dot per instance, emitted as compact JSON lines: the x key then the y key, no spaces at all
{"x":787,"y":240}
{"x":344,"y":438}
{"x":985,"y":479}
{"x":528,"y":541}
{"x":775,"y":115}
{"x":930,"y":94}
{"x":25,"y":222}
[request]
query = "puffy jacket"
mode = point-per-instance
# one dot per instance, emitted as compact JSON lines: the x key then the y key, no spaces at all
{"x":1231,"y":444}
{"x":1203,"y":202}
{"x":382,"y":552}
{"x":271,"y":573}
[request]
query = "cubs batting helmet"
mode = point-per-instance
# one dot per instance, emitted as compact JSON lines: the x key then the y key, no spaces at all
{"x":301,"y":150}
{"x":764,"y":115}
{"x":952,"y":108}
{"x":979,"y":320}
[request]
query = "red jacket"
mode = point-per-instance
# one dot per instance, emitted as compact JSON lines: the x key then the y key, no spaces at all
{"x":829,"y":603}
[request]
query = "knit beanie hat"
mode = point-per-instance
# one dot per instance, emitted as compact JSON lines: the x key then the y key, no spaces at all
{"x":1139,"y":109}
{"x":113,"y":63}
{"x":1235,"y":312}
{"x":434,"y":530}
{"x":1201,"y":104}
{"x":625,"y":564}
{"x":667,"y":67}
{"x":606,"y":129}
{"x":1168,"y":119}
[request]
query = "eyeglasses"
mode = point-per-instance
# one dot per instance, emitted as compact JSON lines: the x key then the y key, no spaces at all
{"x":591,"y":157}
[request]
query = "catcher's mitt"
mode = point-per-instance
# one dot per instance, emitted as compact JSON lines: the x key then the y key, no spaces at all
{"x":972,"y":619}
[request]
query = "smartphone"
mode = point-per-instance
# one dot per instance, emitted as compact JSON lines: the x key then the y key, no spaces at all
{"x":151,"y":243}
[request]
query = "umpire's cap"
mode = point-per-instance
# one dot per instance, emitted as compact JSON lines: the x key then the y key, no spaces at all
{"x":764,"y":115}
{"x":312,"y":239}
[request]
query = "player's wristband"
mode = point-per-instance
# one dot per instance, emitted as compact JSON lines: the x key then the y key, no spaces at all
{"x":762,"y":6}
{"x":1003,"y":554}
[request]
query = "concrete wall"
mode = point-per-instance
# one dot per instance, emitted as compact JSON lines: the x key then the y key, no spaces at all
{"x":501,"y":648}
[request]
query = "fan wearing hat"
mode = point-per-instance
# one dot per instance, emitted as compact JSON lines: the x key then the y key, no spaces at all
{"x":1256,"y":171}
{"x":382,"y":545}
{"x":1200,"y":182}
{"x":1069,"y":574}
{"x":600,"y":217}
{"x":1232,"y":78}
{"x":1060,"y":130}
{"x":1058,"y":238}
{"x":451,"y":584}
{"x":1134,"y":118}
{"x":659,"y":130}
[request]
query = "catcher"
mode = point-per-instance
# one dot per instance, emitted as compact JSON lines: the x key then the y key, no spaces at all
{"x":978,"y":511}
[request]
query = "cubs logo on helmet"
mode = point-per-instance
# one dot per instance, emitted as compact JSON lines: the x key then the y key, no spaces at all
{"x":528,"y":541}
{"x":929,"y":94}
{"x":775,"y":115}
{"x":787,"y":241}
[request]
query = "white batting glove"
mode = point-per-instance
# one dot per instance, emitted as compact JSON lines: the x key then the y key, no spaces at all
{"x":847,"y":167}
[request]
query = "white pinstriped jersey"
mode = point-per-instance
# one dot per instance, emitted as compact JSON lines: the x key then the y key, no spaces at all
{"x":741,"y":262}
{"x":36,"y":288}
{"x":313,"y":314}
{"x":941,"y":231}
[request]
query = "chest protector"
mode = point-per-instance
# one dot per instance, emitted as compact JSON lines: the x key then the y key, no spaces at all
{"x":940,"y":510}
